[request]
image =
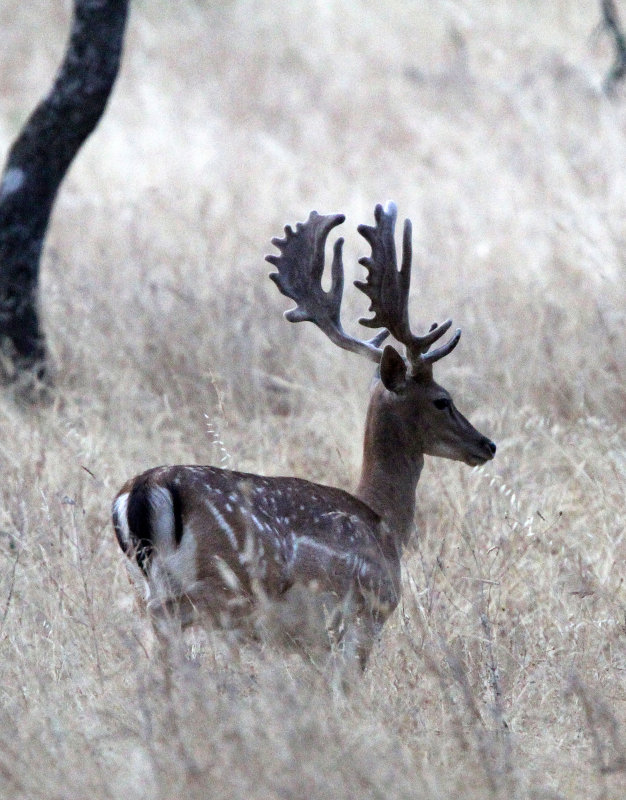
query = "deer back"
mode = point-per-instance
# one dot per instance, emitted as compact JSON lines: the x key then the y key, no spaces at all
{"x":224,"y":537}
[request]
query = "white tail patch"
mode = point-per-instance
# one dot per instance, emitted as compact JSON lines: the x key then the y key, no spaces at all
{"x":122,"y":531}
{"x":120,"y":520}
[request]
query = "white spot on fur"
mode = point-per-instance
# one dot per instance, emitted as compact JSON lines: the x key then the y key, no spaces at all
{"x":258,"y":524}
{"x":324,"y":548}
{"x":253,"y":556}
{"x":228,"y":576}
{"x":224,"y":526}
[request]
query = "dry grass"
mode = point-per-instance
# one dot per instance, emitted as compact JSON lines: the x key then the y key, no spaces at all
{"x":502,"y":676}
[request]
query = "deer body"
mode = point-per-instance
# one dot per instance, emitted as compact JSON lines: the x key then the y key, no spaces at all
{"x":218,"y":543}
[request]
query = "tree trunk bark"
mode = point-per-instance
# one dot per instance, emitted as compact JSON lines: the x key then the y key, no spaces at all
{"x":35,"y":167}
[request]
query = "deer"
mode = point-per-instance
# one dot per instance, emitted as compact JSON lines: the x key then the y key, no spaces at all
{"x":212,"y":544}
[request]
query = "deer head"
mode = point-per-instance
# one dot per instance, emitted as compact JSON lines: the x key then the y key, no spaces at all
{"x":410,"y":415}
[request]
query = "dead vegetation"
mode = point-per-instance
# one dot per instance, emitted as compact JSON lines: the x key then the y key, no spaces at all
{"x":502,"y":675}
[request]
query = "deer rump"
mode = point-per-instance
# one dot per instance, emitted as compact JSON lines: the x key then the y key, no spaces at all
{"x":249,"y":551}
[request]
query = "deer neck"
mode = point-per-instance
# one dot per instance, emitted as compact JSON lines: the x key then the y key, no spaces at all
{"x":391,"y":470}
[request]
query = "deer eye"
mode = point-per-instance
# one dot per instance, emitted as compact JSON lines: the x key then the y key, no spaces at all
{"x":442,"y":403}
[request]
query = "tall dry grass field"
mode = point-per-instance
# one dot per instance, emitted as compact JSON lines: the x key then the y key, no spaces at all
{"x":502,"y":675}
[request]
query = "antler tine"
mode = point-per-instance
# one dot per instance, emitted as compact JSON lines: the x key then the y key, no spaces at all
{"x":388,"y":289}
{"x":440,"y":352}
{"x":300,"y":269}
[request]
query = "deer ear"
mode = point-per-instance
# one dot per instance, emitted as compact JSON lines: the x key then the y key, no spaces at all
{"x":392,"y":370}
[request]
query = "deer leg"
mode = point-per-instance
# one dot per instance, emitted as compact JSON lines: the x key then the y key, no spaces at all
{"x":347,"y":662}
{"x":360,"y":638}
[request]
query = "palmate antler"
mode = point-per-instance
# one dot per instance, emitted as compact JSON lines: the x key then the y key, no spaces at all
{"x":388,"y":289}
{"x":300,"y":268}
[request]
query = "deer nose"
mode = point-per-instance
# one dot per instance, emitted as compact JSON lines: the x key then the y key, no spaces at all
{"x":491,"y":446}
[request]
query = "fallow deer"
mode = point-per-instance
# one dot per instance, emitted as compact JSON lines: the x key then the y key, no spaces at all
{"x":212,"y":542}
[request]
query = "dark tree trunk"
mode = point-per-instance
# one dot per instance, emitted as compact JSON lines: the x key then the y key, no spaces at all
{"x":36,"y":165}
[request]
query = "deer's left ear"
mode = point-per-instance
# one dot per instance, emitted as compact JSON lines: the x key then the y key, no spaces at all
{"x":392,"y":370}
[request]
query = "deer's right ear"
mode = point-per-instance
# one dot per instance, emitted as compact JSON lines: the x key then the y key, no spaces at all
{"x":392,"y":370}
